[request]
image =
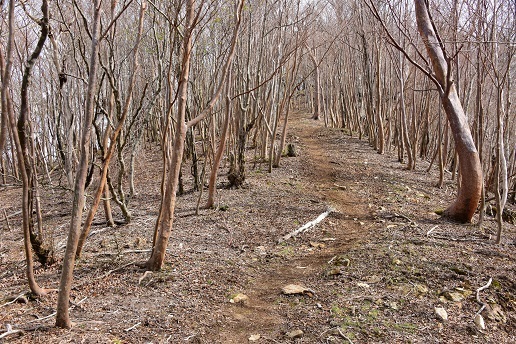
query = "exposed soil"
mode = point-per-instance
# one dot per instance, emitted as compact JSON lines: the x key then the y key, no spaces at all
{"x":375,"y":269}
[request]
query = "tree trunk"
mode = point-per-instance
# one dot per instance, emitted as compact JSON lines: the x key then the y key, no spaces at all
{"x":65,"y":285}
{"x":212,"y":185}
{"x":20,"y":135}
{"x":164,"y":230}
{"x":469,"y":192}
{"x":112,"y":144}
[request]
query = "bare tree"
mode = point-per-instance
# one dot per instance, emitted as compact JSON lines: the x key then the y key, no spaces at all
{"x":65,"y":285}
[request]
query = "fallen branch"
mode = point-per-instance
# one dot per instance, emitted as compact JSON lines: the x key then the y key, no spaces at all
{"x":9,"y":331}
{"x":442,"y":237}
{"x":55,"y":313}
{"x":132,"y":327}
{"x":13,"y":301}
{"x":401,"y":216}
{"x":7,"y":220}
{"x":307,"y":226}
{"x":483,"y":304}
{"x":431,"y":230}
{"x":119,"y":268}
{"x":12,"y":215}
{"x":344,"y":336}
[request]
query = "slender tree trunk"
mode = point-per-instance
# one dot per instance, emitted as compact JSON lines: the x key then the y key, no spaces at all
{"x":469,"y":192}
{"x":406,"y":138}
{"x":113,"y":142}
{"x":65,"y":285}
{"x":4,"y":116}
{"x":212,"y":185}
{"x":20,"y":132}
{"x":164,"y":230}
{"x":379,"y":106}
{"x":317,"y":87}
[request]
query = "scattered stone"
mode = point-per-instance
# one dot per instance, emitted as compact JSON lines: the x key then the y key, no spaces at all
{"x":479,"y":321}
{"x":441,"y":313}
{"x":394,"y":305}
{"x":464,"y":292}
{"x":340,"y":261}
{"x":317,"y":245}
{"x":421,"y":289}
{"x":294,"y":289}
{"x":295,"y":334}
{"x":261,"y":250}
{"x":334,"y":272}
{"x":396,"y":261}
{"x":454,"y":296}
{"x":240,"y":299}
{"x":373,"y":279}
{"x":254,"y":337}
{"x":363,"y":285}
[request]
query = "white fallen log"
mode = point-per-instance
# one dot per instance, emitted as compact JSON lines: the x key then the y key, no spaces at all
{"x":306,"y":226}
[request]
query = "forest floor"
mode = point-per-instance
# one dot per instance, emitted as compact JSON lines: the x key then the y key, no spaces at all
{"x":373,"y":271}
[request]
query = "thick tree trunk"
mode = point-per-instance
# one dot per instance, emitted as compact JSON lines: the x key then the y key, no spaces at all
{"x":469,"y":191}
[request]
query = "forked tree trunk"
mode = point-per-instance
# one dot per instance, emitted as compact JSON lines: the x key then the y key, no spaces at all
{"x":65,"y":285}
{"x":464,"y":207}
{"x":112,"y":144}
{"x":170,"y":183}
{"x":168,"y":201}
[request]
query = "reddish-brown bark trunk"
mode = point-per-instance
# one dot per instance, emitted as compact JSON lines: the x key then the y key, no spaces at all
{"x":464,"y":207}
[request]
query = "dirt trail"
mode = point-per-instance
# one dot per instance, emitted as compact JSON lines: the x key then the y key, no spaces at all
{"x":386,"y":277}
{"x":262,"y":315}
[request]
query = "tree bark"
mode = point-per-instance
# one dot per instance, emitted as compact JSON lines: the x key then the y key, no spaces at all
{"x":112,"y":143}
{"x":20,"y":135}
{"x":212,"y":185}
{"x":464,"y":207}
{"x":168,"y":202}
{"x":65,"y":285}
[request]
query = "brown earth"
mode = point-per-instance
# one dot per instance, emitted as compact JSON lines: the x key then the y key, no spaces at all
{"x":374,"y":269}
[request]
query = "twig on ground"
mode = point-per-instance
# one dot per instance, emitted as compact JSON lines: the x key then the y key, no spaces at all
{"x":395,"y":215}
{"x":483,"y":304}
{"x":13,"y":301}
{"x":13,"y":214}
{"x":7,"y":220}
{"x":404,"y":217}
{"x":306,"y":226}
{"x":143,"y":276}
{"x":456,"y":239}
{"x":9,"y":331}
{"x":133,"y":327}
{"x":54,"y":314}
{"x":92,"y":233}
{"x":114,"y":270}
{"x":344,"y":336}
{"x":431,"y":230}
{"x":107,"y":273}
